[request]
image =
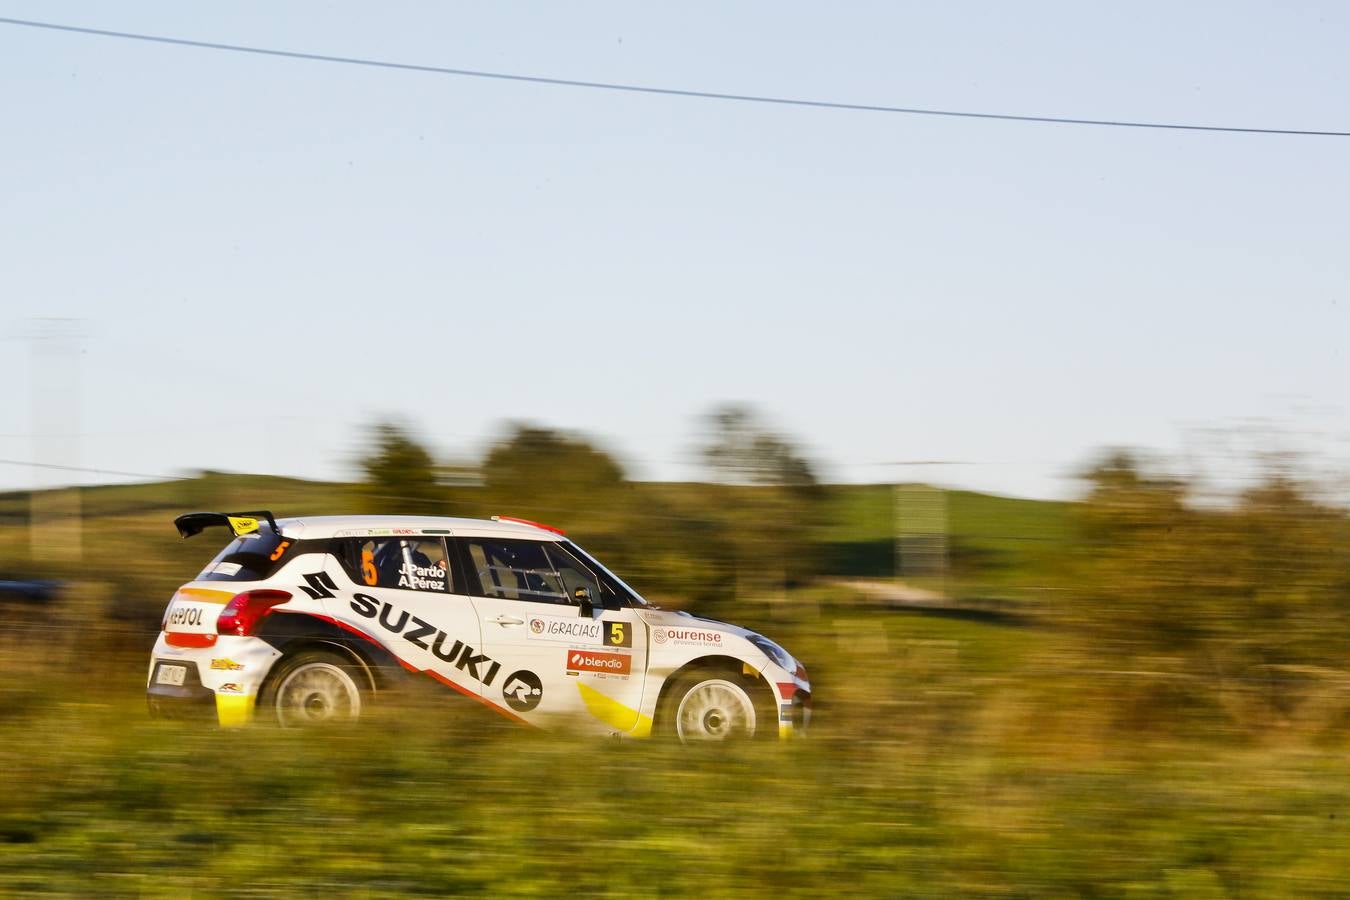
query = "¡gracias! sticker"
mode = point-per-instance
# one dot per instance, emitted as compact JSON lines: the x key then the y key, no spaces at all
{"x":585,"y":632}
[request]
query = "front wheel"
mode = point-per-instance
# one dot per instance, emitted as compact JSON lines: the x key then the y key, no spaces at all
{"x":712,"y":706}
{"x":316,"y":688}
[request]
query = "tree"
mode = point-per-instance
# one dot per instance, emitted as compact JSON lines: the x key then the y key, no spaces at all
{"x":400,"y":474}
{"x":1234,"y":601}
{"x":740,"y":451}
{"x":561,"y":479}
{"x":768,"y":502}
{"x":547,"y":471}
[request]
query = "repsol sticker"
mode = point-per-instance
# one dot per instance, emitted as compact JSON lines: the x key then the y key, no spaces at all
{"x":595,"y":661}
{"x":186,"y":615}
{"x":586,"y":632}
{"x":422,"y":634}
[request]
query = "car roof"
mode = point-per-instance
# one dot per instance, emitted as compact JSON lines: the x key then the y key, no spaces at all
{"x":319,"y":527}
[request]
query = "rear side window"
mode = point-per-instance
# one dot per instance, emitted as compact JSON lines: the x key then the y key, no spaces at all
{"x":410,"y":564}
{"x":250,"y":557}
{"x":515,"y":570}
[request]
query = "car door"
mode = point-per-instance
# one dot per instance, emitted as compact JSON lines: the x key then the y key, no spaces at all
{"x":561,"y":659}
{"x":407,"y":594}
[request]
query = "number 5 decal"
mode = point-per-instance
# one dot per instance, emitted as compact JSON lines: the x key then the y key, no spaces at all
{"x":618,"y":635}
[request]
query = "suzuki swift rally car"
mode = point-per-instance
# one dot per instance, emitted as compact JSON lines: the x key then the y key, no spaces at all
{"x":311,"y":620}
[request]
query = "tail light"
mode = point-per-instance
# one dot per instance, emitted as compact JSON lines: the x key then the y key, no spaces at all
{"x":242,"y":614}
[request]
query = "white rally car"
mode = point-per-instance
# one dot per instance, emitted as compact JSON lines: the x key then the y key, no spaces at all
{"x":310,"y":620}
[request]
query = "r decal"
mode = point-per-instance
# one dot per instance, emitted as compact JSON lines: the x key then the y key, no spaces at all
{"x":522,"y":691}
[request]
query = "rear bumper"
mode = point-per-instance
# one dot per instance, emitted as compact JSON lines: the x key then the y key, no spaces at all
{"x":189,"y":700}
{"x":222,"y":679}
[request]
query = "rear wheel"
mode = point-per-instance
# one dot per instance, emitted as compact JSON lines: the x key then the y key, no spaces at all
{"x":712,"y":706}
{"x":316,"y":688}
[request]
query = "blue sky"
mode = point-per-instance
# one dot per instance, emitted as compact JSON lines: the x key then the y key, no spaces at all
{"x":264,"y":255}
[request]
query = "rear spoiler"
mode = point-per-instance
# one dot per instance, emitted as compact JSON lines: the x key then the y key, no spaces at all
{"x":239,"y":523}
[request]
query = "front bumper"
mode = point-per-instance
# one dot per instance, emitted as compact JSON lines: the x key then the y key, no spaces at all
{"x":794,"y":714}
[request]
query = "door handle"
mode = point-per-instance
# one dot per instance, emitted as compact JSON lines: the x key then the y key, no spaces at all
{"x":507,"y":620}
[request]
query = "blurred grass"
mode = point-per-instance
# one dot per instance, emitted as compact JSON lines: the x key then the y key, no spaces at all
{"x":936,"y":767}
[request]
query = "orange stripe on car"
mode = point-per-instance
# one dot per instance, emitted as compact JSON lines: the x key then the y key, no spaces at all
{"x":204,"y":595}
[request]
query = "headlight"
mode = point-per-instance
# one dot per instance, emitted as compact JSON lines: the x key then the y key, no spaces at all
{"x":774,"y":652}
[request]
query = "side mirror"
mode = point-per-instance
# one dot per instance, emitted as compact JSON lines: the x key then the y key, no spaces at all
{"x":583,"y":597}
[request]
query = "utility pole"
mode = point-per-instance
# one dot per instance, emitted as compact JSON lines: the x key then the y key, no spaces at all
{"x":55,"y":514}
{"x":921,"y":528}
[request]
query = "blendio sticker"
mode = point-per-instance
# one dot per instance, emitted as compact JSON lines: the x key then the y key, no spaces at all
{"x":587,"y":632}
{"x":593,"y":661}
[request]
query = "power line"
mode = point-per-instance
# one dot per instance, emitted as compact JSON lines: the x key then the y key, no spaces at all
{"x":37,"y":465}
{"x":643,"y":89}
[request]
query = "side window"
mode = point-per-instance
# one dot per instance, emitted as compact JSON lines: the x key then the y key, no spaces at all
{"x":410,"y":564}
{"x":616,"y":591}
{"x":515,"y":570}
{"x":574,"y":574}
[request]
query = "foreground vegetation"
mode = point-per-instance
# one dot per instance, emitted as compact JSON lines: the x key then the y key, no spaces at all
{"x":946,"y":759}
{"x":1140,"y":694}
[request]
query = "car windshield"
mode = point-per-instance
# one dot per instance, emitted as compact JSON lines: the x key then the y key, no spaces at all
{"x":611,"y":581}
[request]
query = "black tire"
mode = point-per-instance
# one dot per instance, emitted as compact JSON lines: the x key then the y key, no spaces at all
{"x":715,"y":705}
{"x":316,"y":688}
